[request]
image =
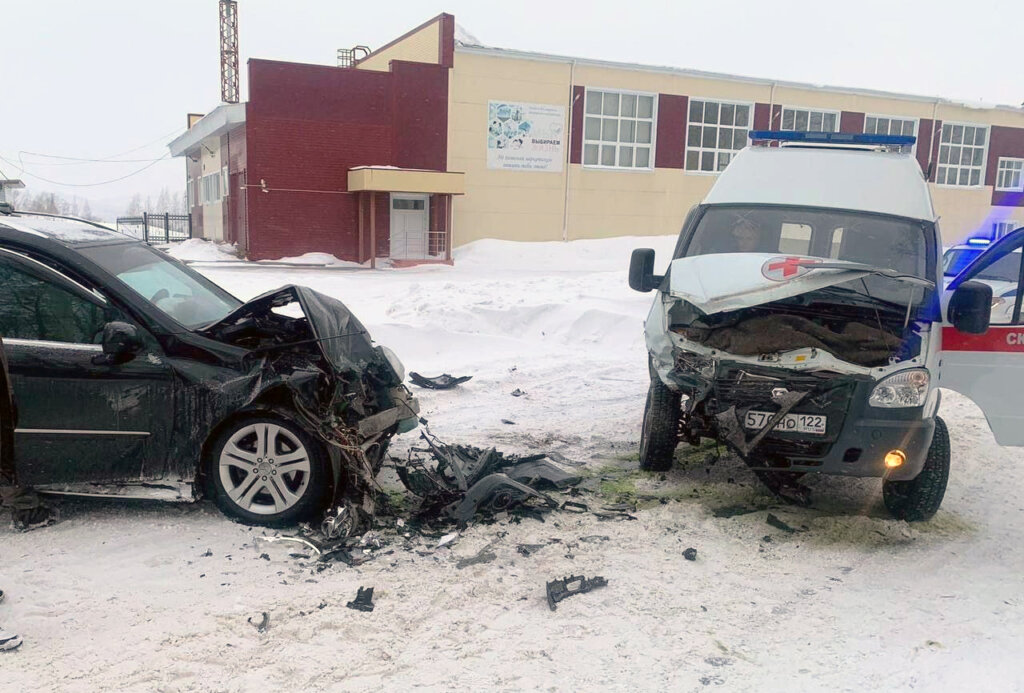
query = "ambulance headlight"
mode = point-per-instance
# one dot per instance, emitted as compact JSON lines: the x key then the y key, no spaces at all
{"x":907,"y":388}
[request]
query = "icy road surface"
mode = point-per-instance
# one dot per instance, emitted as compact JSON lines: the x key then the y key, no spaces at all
{"x":124,"y":596}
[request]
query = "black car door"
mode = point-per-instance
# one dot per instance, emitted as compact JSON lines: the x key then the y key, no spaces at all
{"x":7,"y":476}
{"x":80,"y":417}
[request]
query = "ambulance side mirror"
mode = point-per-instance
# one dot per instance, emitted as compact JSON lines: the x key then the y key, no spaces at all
{"x":970,"y":307}
{"x":641,"y":271}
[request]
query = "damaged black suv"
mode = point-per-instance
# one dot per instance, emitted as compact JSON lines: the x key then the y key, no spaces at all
{"x":135,"y":376}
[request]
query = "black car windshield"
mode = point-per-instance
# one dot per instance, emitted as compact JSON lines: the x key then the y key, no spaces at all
{"x":878,"y":241}
{"x":186,"y":296}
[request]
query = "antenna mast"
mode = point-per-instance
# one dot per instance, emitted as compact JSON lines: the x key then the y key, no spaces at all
{"x":229,"y":51}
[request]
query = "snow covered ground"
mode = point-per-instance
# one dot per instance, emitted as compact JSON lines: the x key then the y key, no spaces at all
{"x":154,"y":597}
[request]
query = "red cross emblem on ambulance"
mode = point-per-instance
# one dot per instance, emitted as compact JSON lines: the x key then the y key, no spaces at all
{"x":783,"y":269}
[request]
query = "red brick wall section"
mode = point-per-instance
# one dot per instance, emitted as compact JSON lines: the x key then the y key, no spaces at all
{"x":446,"y":50}
{"x":762,"y":119}
{"x":850,"y":121}
{"x":670,"y":144}
{"x":420,"y":123}
{"x":576,"y":124}
{"x":924,"y":143}
{"x":307,"y":125}
{"x":1009,"y":142}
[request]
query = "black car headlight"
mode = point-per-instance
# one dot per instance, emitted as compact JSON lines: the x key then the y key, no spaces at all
{"x":907,"y":388}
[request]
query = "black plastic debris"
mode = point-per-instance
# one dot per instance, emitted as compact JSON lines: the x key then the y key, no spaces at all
{"x":690,"y":554}
{"x":508,"y":422}
{"x":363,"y":600}
{"x":263,"y":624}
{"x":574,"y":507}
{"x":517,"y":393}
{"x":485,"y":555}
{"x":529,"y":549}
{"x":569,"y":586}
{"x":458,"y":482}
{"x":779,"y":524}
{"x":444,"y":381}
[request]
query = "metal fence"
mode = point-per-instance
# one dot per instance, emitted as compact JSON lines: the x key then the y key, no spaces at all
{"x":157,"y":228}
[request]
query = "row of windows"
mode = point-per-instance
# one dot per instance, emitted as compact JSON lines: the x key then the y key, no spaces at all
{"x":208,"y":189}
{"x":619,"y":128}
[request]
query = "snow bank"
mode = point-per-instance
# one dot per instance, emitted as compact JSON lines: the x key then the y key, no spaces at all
{"x":314,"y":260}
{"x":589,"y":255}
{"x":199,"y":250}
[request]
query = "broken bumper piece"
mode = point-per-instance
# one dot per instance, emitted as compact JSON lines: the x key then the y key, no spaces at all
{"x":567,"y":587}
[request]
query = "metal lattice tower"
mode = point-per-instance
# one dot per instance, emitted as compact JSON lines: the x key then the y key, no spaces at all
{"x":229,"y":92}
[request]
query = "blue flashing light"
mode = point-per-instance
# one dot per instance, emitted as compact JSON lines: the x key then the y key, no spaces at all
{"x":978,"y":241}
{"x":831,"y":137}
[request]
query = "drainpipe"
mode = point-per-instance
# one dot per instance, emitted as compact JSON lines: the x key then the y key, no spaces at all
{"x":931,"y":146}
{"x":771,"y":106}
{"x":568,"y":153}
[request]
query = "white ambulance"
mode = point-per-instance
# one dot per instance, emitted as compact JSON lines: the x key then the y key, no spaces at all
{"x":803,"y":323}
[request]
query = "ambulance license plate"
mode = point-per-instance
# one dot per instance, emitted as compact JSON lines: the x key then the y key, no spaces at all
{"x":790,"y":423}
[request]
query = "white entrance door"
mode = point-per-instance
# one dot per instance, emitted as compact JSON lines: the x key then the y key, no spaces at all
{"x":410,"y":224}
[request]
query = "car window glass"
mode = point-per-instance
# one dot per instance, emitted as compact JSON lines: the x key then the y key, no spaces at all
{"x":795,"y":239}
{"x":37,"y":309}
{"x":1003,"y":275}
{"x":837,"y":244}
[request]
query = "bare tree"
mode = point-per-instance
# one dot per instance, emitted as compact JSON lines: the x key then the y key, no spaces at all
{"x":135,"y":206}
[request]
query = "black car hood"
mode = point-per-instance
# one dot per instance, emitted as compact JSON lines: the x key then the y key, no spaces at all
{"x":344,"y":342}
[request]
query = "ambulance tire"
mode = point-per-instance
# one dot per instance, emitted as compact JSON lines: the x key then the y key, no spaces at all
{"x":919,"y":498}
{"x":659,"y":434}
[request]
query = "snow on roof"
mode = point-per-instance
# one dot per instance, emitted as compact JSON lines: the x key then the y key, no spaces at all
{"x":60,"y":229}
{"x":702,"y":74}
{"x":870,"y":181}
{"x":225,"y":117}
{"x":464,"y":38}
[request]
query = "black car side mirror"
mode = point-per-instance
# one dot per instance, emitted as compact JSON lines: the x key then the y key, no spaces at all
{"x":641,"y":271}
{"x":121,"y":342}
{"x":970,"y":307}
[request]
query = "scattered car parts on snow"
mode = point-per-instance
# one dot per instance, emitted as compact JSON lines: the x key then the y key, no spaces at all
{"x":444,"y":381}
{"x":363,"y":600}
{"x":564,"y":588}
{"x":459,"y":481}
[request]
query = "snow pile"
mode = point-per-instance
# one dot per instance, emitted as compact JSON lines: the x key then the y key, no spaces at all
{"x":590,"y":255}
{"x":314,"y":260}
{"x":199,"y":250}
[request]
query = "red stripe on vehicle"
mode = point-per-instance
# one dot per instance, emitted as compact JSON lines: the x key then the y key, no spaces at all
{"x":1009,"y":339}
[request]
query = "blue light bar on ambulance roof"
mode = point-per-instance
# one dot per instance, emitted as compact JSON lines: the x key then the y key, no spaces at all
{"x":978,"y":241}
{"x":831,"y":137}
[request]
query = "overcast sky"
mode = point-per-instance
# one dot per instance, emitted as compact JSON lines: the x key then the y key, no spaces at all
{"x":114,"y":78}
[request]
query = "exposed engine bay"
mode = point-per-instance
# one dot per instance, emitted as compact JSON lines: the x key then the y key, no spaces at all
{"x":769,"y":414}
{"x":853,"y":331}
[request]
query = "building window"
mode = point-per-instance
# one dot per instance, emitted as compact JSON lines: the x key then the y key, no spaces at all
{"x":1008,"y":175}
{"x":962,"y":154}
{"x":211,"y":188}
{"x":224,"y":187}
{"x":1001,"y":228}
{"x":809,"y":120}
{"x":888,"y":125}
{"x":618,"y":131}
{"x":715,"y":132}
{"x":190,"y":194}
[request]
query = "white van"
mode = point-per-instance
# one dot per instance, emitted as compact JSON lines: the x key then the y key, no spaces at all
{"x":803,"y":323}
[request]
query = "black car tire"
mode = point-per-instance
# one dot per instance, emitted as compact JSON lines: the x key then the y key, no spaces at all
{"x":296,"y":490}
{"x":659,"y":434}
{"x":919,"y":498}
